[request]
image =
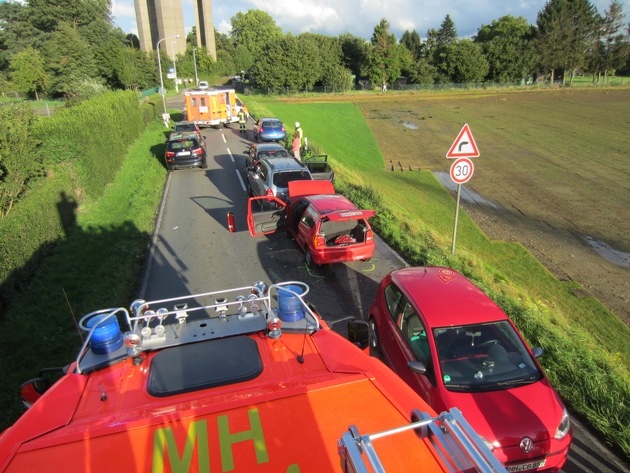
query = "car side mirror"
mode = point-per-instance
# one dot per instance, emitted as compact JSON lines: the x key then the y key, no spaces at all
{"x":537,"y":352}
{"x":417,"y":367}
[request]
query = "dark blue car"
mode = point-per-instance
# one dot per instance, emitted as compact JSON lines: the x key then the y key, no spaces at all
{"x":269,"y":129}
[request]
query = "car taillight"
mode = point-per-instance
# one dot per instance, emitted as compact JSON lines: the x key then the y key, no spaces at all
{"x":319,"y":240}
{"x":269,"y":194}
{"x":369,"y":235}
{"x":170,"y":154}
{"x":197,"y":151}
{"x":261,"y":130}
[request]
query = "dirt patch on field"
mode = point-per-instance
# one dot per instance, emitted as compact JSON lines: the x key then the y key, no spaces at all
{"x":553,"y":173}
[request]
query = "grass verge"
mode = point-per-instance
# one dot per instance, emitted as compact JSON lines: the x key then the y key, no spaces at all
{"x":111,"y":235}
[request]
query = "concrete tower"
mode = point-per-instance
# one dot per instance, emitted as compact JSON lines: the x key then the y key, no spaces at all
{"x":205,"y":26}
{"x":158,"y":19}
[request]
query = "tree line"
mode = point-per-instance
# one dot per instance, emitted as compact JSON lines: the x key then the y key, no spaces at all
{"x":71,"y":49}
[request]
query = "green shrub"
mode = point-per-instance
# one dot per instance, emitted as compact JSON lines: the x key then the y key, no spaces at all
{"x":93,"y":135}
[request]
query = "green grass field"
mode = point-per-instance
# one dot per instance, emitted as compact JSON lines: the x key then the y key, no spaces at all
{"x":587,"y":348}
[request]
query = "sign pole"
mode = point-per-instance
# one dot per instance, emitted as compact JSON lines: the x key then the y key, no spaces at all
{"x":459,"y":191}
{"x":462,"y":149}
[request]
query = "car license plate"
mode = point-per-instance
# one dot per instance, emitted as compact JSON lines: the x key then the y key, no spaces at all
{"x":183,"y":153}
{"x":526,"y":466}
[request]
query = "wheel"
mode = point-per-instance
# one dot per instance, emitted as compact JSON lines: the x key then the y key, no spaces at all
{"x":309,"y":258}
{"x":204,"y":164}
{"x":375,"y":346}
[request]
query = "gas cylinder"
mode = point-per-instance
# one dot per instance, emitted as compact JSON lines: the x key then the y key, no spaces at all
{"x":230,"y":219}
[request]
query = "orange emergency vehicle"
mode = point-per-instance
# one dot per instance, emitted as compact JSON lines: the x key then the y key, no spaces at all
{"x":249,"y":379}
{"x":213,"y":107}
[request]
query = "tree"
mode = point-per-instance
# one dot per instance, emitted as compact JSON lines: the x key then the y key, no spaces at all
{"x":508,"y":46}
{"x":465,"y":62}
{"x":254,"y":30}
{"x":46,"y":15}
{"x":69,"y":60}
{"x":411,"y":41}
{"x":438,"y":42}
{"x":355,"y":53}
{"x":447,"y":34}
{"x":612,"y":47}
{"x":385,"y":58}
{"x":337,"y":78}
{"x":422,"y":72}
{"x":16,"y":32}
{"x":566,"y":32}
{"x":27,"y":72}
{"x":243,"y":59}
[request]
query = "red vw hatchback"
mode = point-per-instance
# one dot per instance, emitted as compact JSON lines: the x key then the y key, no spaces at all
{"x":457,"y":348}
{"x":327,"y":226}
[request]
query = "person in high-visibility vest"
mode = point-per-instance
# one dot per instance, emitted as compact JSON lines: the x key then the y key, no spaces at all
{"x":299,"y":132}
{"x":242,"y":120}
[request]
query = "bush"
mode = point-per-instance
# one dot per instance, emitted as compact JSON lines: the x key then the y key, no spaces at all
{"x":20,"y":159}
{"x":93,"y":135}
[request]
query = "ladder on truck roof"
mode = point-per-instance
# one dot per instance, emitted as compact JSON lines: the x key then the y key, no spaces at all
{"x":452,"y":437}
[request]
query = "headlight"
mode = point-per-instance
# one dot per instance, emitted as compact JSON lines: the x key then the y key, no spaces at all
{"x":563,"y":427}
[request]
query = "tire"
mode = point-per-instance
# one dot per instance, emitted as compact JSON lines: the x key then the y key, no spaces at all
{"x":204,"y":164}
{"x":375,"y":344}
{"x":309,"y":259}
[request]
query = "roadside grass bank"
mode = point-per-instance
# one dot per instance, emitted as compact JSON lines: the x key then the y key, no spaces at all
{"x":96,"y":263}
{"x":587,"y":348}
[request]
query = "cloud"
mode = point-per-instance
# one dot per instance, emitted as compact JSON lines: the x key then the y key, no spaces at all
{"x":359,"y":17}
{"x":123,"y":9}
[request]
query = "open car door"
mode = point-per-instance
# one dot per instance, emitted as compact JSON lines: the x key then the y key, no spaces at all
{"x":319,"y":167}
{"x":261,"y":220}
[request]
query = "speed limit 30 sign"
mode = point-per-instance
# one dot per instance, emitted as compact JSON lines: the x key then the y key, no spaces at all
{"x":462,"y":170}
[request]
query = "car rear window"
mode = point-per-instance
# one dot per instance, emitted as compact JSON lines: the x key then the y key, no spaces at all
{"x":282,"y":179}
{"x":276,"y":153}
{"x":272,"y":124}
{"x":183,"y":144}
{"x":187,"y":127}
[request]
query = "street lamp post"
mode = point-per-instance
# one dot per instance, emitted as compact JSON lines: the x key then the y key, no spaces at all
{"x":195,"y":63}
{"x":175,"y":68}
{"x":165,"y":116}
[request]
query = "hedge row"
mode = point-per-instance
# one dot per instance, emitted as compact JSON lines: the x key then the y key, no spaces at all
{"x":82,"y":147}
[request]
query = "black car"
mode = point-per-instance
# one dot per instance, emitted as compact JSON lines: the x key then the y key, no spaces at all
{"x":185,"y":151}
{"x":264,"y":150}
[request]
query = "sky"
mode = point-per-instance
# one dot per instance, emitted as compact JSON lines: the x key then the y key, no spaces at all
{"x":359,"y":17}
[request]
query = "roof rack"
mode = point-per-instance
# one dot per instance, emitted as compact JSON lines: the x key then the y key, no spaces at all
{"x":165,"y":323}
{"x":452,"y":437}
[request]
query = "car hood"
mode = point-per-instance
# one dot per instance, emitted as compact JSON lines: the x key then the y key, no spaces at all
{"x":508,"y":415}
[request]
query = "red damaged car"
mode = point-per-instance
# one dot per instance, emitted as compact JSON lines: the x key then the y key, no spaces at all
{"x":456,"y":347}
{"x":326,"y":226}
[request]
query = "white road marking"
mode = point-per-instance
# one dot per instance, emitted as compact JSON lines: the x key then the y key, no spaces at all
{"x":230,"y":153}
{"x":223,"y":136}
{"x":238,"y":174}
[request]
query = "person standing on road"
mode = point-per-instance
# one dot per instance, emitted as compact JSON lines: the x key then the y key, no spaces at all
{"x":242,"y":120}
